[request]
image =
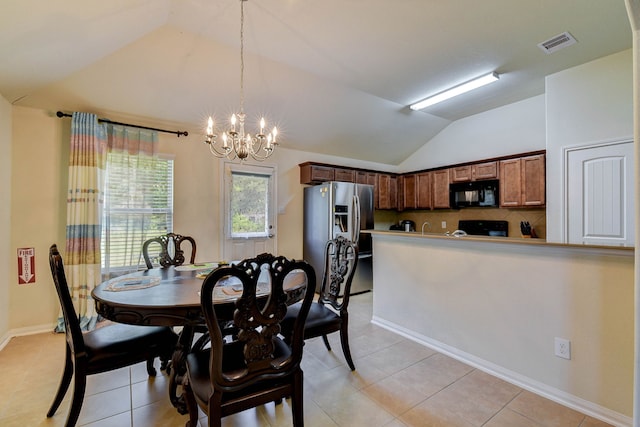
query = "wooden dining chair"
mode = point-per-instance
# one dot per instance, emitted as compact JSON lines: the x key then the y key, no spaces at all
{"x":330,"y":313}
{"x":169,"y":251}
{"x":103,"y":349}
{"x":257,"y":366}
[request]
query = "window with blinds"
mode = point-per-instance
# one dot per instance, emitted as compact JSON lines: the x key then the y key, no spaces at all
{"x":138,"y":205}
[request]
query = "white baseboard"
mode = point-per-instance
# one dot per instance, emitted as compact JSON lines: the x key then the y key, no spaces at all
{"x":31,"y":330}
{"x":541,"y":389}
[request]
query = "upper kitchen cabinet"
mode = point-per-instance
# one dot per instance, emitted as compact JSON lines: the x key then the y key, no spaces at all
{"x":424,"y":191}
{"x":311,"y":173}
{"x":365,"y":177}
{"x":475,"y":172}
{"x":522,"y":181}
{"x":460,"y":173}
{"x":440,"y":181}
{"x":415,"y":191}
{"x":407,"y":196}
{"x":386,"y":191}
{"x":487,"y":170}
{"x":344,"y":175}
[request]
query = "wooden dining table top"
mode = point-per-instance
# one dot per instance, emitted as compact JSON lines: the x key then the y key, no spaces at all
{"x":171,"y":296}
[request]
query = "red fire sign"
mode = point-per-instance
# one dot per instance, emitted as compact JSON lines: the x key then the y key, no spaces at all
{"x":26,"y":265}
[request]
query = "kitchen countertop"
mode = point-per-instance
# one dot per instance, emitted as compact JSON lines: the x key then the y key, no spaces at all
{"x":535,"y":242}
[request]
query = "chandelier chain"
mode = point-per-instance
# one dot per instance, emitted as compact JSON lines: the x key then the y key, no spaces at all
{"x":242,"y":56}
{"x":236,"y":143}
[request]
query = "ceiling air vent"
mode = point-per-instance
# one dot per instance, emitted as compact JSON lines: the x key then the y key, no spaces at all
{"x":558,"y":42}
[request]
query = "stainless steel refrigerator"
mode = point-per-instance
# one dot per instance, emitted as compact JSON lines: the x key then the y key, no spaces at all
{"x":337,"y":209}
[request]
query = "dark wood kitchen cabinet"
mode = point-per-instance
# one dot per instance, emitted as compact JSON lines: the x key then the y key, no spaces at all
{"x":407,"y":192}
{"x":365,"y":177}
{"x":344,"y":175}
{"x":415,"y":191}
{"x":387,"y":191}
{"x":461,"y":173}
{"x":474,"y":172}
{"x":440,"y":179}
{"x":316,"y":174}
{"x":424,"y":191}
{"x":522,"y":181}
{"x":486,"y":170}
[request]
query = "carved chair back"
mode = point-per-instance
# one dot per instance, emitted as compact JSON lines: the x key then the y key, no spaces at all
{"x":341,"y":260}
{"x":170,"y":251}
{"x":257,"y":353}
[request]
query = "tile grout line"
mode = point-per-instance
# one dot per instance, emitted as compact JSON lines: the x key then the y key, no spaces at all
{"x":131,"y":396}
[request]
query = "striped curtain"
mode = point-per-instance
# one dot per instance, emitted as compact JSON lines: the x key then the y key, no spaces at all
{"x":87,"y":162}
{"x":130,"y":169}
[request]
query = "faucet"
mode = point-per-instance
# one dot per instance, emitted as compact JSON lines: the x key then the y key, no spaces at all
{"x":426,"y":223}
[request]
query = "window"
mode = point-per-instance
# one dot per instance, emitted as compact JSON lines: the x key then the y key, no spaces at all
{"x":249,"y":204}
{"x":138,"y":205}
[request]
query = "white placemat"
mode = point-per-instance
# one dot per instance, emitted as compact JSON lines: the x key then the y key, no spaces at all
{"x":131,"y":283}
{"x":197,"y":266}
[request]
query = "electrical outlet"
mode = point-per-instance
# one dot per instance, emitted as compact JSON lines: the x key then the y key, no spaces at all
{"x":444,"y":224}
{"x":562,"y":348}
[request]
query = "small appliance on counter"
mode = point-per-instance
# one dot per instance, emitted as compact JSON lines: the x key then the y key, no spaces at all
{"x":404,"y":225}
{"x":408,"y":225}
{"x":484,"y":227}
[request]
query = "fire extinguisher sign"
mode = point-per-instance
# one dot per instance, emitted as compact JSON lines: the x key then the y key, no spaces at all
{"x":26,"y":265}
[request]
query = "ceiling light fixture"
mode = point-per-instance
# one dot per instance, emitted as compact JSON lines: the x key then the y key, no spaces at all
{"x":235,"y":142}
{"x":455,"y":91}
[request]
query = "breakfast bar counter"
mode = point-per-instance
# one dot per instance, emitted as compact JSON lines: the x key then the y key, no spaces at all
{"x":610,"y":250}
{"x":499,"y":304}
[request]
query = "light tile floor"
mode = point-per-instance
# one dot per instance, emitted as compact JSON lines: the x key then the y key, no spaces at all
{"x":397,"y":383}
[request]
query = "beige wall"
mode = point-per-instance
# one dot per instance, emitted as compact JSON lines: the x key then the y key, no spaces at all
{"x":5,"y":214}
{"x":499,"y":306}
{"x":38,"y":209}
{"x":511,"y":129}
{"x":587,"y":104}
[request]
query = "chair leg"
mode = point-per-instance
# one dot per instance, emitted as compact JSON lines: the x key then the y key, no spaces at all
{"x":326,"y":342}
{"x":64,"y":383}
{"x":79,"y":386}
{"x":344,"y":341}
{"x":214,"y":405}
{"x":192,"y":406}
{"x":164,"y":364}
{"x":297,"y":399}
{"x":151,"y":370}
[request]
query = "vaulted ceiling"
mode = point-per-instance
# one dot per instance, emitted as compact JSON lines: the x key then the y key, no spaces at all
{"x":336,"y":76}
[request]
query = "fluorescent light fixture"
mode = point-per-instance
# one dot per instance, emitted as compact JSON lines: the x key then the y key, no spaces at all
{"x":457,"y":90}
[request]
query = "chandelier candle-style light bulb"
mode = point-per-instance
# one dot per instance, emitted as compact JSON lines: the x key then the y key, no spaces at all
{"x":235,"y":142}
{"x":210,"y":126}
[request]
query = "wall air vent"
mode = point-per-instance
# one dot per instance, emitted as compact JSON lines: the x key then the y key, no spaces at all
{"x":558,"y":42}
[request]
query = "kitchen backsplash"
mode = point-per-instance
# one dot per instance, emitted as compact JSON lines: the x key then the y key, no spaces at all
{"x":536,"y":217}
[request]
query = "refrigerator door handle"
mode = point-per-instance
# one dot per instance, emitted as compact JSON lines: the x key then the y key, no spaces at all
{"x":355,"y":226}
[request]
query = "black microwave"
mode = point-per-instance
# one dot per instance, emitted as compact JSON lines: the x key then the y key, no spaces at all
{"x":474,"y":194}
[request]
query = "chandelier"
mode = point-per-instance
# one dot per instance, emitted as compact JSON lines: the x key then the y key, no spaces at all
{"x":235,"y":141}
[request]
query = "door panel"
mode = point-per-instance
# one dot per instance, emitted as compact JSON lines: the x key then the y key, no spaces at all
{"x":600,"y":195}
{"x":240,"y":240}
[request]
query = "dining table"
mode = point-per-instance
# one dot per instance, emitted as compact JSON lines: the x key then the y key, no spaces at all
{"x":170,"y":296}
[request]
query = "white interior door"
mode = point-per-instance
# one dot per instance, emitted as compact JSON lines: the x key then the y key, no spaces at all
{"x":249,"y":217}
{"x":599,"y":198}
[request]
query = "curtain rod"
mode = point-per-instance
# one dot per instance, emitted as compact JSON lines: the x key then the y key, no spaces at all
{"x":177,"y":132}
